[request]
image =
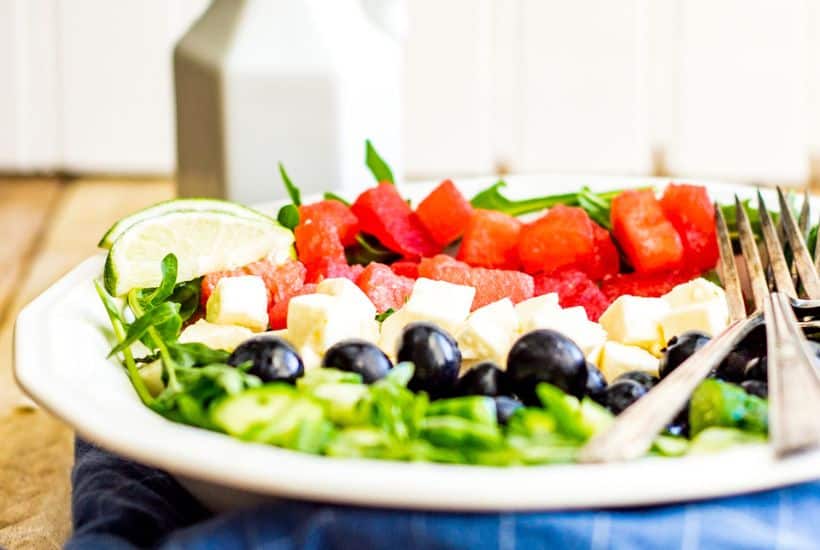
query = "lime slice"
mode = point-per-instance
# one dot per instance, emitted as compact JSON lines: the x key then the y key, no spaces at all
{"x":203,"y":242}
{"x":176,"y":205}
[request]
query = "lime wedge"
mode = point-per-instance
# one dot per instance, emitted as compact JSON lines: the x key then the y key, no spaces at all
{"x":203,"y":242}
{"x":176,"y":205}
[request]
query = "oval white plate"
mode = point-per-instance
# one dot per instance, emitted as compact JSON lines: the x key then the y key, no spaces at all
{"x":63,"y":336}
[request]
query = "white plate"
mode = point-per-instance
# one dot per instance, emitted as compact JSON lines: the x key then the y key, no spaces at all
{"x":62,"y":338}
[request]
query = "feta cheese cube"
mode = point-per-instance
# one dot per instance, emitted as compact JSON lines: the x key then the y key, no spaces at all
{"x":224,"y":337}
{"x":696,"y":305}
{"x":310,"y":359}
{"x":574,"y":325}
{"x":355,"y":304}
{"x":488,"y":332}
{"x":321,"y":320}
{"x":531,"y":311}
{"x":351,"y":294}
{"x":391,"y":330}
{"x":635,"y":321}
{"x":617,"y":358}
{"x":445,"y":304}
{"x":696,"y":291}
{"x":709,"y":317}
{"x":239,"y":301}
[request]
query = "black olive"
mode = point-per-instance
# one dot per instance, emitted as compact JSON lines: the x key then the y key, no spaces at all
{"x":359,"y":356}
{"x":679,"y":349}
{"x":643,"y":378}
{"x":546,"y":356}
{"x":756,"y":387}
{"x":483,"y":379}
{"x":505,"y":407}
{"x":272,"y":358}
{"x":621,"y":394}
{"x":436,"y":358}
{"x":680,"y":424}
{"x":756,"y":369}
{"x":596,"y":383}
{"x":733,"y":368}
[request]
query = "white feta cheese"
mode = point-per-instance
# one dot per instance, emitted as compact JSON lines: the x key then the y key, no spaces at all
{"x":239,"y":301}
{"x":635,"y":321}
{"x":573,"y":324}
{"x":321,"y":320}
{"x":224,"y":337}
{"x":489,"y":332}
{"x":617,"y":358}
{"x":444,"y":304}
{"x":391,"y":330}
{"x":531,"y":312}
{"x":694,"y":292}
{"x":310,"y":359}
{"x":709,"y":317}
{"x":696,"y":305}
{"x":354,"y":305}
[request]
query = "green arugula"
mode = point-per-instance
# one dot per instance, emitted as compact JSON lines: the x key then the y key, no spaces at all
{"x":367,"y":249}
{"x":596,"y":204}
{"x":334,"y":197}
{"x":380,"y":317}
{"x":288,"y":215}
{"x":378,"y":167}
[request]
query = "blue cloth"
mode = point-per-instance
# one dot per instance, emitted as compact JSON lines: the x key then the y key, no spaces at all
{"x":118,"y":504}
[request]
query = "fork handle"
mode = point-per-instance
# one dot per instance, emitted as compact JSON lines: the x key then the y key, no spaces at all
{"x":794,"y":385}
{"x":633,"y":431}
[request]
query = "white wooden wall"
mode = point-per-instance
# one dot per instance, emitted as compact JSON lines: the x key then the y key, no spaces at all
{"x":723,"y":88}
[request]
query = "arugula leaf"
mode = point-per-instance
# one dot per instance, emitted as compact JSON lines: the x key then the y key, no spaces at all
{"x":163,"y":318}
{"x":334,"y":197}
{"x":367,"y":250}
{"x":187,"y":296}
{"x":378,"y":167}
{"x":195,"y":354}
{"x":493,"y":199}
{"x":293,"y":191}
{"x":380,"y":317}
{"x":166,"y":286}
{"x":288,"y":216}
{"x":597,"y":207}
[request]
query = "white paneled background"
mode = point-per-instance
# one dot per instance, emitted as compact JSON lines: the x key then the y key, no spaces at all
{"x":725,"y":88}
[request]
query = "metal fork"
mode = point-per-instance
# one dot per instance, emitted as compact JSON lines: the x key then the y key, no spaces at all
{"x":633,"y":432}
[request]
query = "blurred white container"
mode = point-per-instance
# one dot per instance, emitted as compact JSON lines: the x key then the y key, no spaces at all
{"x":303,"y":82}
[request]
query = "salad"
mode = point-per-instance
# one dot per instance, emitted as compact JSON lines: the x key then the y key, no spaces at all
{"x":482,"y":331}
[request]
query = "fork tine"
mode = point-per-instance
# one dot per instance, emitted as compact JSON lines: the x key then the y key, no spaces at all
{"x":760,"y":289}
{"x":777,"y":260}
{"x":728,"y":269}
{"x":802,"y":258}
{"x":805,"y":215}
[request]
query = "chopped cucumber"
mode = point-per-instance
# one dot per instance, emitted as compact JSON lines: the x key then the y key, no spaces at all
{"x":236,"y":414}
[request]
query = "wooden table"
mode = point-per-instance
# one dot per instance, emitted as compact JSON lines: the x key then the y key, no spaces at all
{"x":47,"y":226}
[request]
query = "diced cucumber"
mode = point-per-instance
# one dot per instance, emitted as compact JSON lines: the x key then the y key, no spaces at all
{"x":717,"y":403}
{"x":715,"y":439}
{"x":236,"y":414}
{"x":285,"y":429}
{"x":667,"y":445}
{"x":476,"y":408}
{"x":453,"y":431}
{"x":317,"y":377}
{"x":594,"y":417}
{"x":531,"y":422}
{"x":341,"y":401}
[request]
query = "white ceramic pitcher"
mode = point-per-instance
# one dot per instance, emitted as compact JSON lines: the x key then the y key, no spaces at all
{"x":303,"y":82}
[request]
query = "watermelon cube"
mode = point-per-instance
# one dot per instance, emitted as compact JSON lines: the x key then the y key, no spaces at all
{"x":445,"y":213}
{"x":339,"y":214}
{"x":383,"y":213}
{"x":574,"y":288}
{"x":605,"y":260}
{"x":562,"y":238}
{"x":691,"y":212}
{"x":278,"y":311}
{"x":406,"y":268}
{"x":384,"y":288}
{"x":491,"y":240}
{"x":318,"y":240}
{"x":648,"y":238}
{"x":332,"y":268}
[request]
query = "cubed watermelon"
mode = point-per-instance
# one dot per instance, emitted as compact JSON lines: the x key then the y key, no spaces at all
{"x":383,"y":213}
{"x":605,"y":260}
{"x":318,"y":240}
{"x":490,"y":284}
{"x":330,"y":268}
{"x":574,"y":288}
{"x":341,"y":216}
{"x":563,"y":238}
{"x":444,"y":213}
{"x":384,"y":288}
{"x":651,"y":285}
{"x":278,"y":311}
{"x":406,"y":268}
{"x":647,"y":237}
{"x":491,"y":240}
{"x":692,"y":214}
